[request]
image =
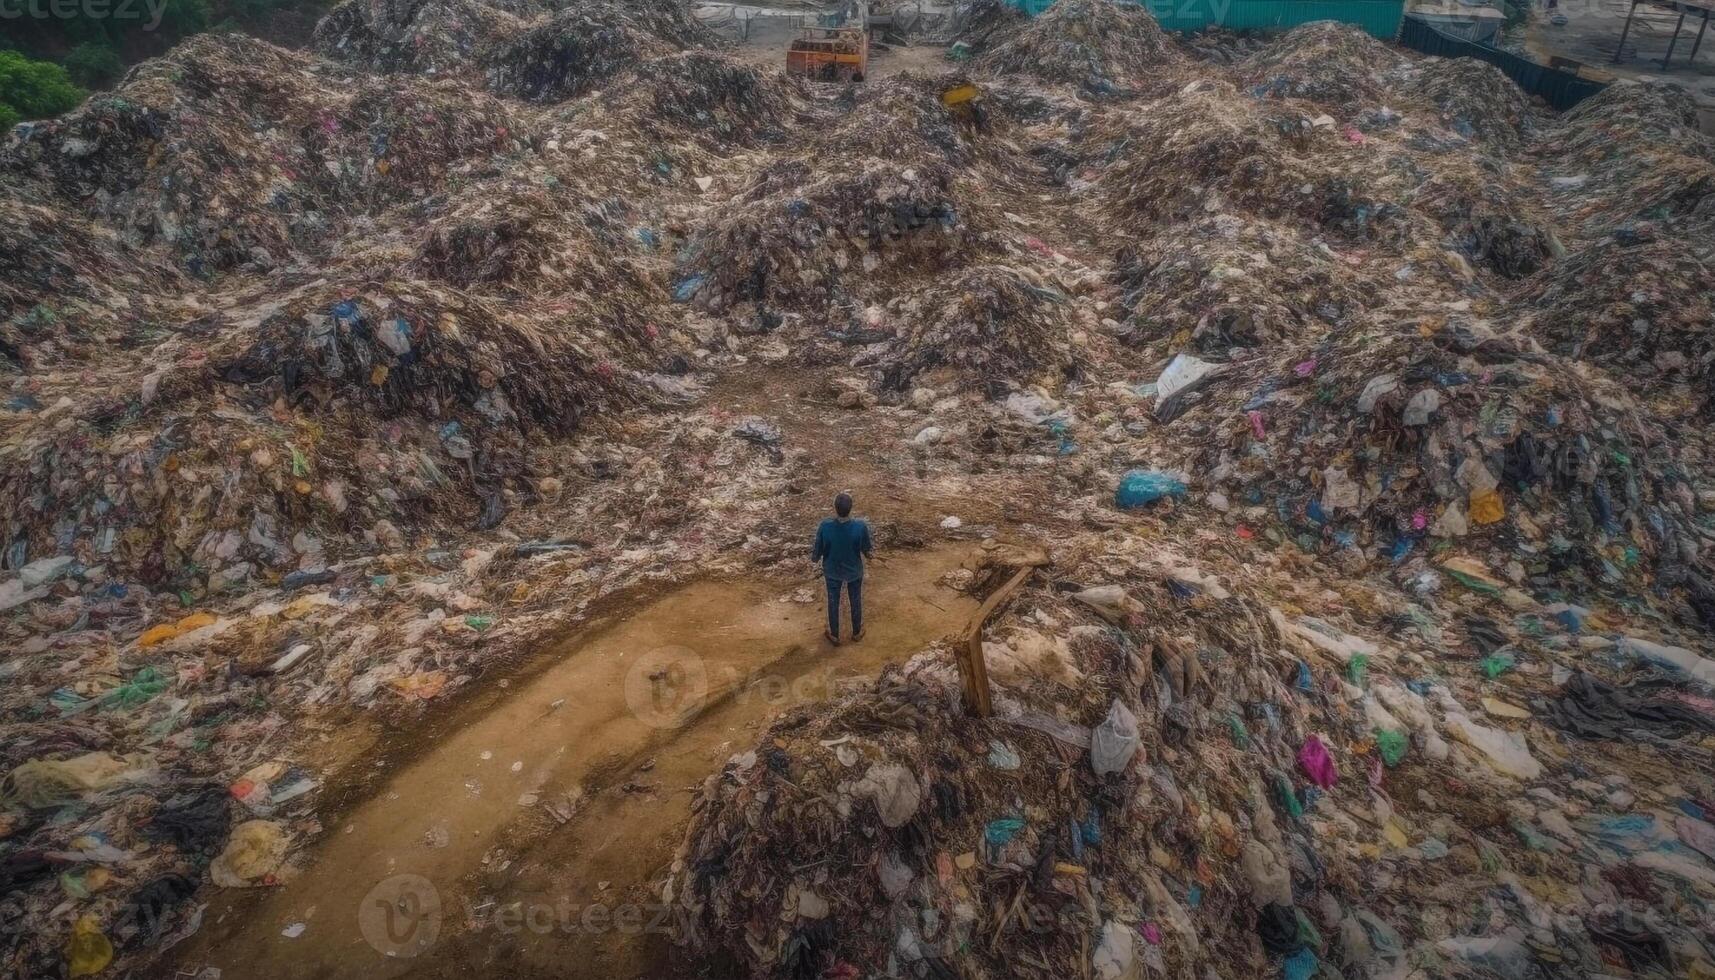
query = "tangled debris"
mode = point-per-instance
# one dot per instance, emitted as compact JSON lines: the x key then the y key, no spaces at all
{"x":1091,"y":43}
{"x":338,"y":382}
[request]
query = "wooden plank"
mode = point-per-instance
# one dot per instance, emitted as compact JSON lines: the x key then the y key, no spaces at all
{"x":973,"y":670}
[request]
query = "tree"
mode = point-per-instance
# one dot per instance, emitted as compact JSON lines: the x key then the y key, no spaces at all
{"x":94,"y":65}
{"x":34,"y":89}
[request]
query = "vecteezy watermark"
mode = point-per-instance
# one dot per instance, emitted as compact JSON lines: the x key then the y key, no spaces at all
{"x":401,"y":916}
{"x":666,"y":686}
{"x":568,"y":918}
{"x":148,"y":11}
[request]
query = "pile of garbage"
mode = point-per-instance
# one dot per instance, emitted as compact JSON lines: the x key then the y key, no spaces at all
{"x":1188,"y":773}
{"x":706,"y":93}
{"x":235,"y":153}
{"x":66,"y":286}
{"x":585,"y":46}
{"x":797,"y":234}
{"x":1338,"y":65}
{"x":1228,"y":282}
{"x":1441,"y":431}
{"x":1475,"y":98}
{"x":425,"y":36}
{"x":986,"y":325}
{"x":338,"y":418}
{"x":899,"y":118}
{"x":1631,"y":305}
{"x":1206,"y":147}
{"x":337,"y":382}
{"x":986,"y":23}
{"x":1094,"y":44}
{"x":1631,"y":152}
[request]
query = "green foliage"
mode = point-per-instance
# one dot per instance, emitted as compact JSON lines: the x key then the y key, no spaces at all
{"x":182,"y":18}
{"x":94,"y":64}
{"x":95,"y":51}
{"x":34,"y":89}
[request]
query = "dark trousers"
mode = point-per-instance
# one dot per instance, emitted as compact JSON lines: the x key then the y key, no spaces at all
{"x":855,"y":590}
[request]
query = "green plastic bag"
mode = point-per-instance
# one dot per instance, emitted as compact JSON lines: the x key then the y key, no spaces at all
{"x":1241,"y":738}
{"x":1357,"y":669}
{"x":1496,"y":664}
{"x":142,"y":686}
{"x":1392,"y":746}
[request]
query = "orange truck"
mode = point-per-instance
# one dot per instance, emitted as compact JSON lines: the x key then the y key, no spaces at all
{"x":830,"y":54}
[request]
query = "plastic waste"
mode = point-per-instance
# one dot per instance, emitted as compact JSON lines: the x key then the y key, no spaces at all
{"x":1115,"y":956}
{"x":1392,"y":747}
{"x":254,"y":853}
{"x":895,"y":791}
{"x":156,"y":635}
{"x":1506,"y":751}
{"x":89,"y":952}
{"x":895,"y":875}
{"x":1270,"y":879}
{"x":1677,"y":659}
{"x":42,"y":783}
{"x":1000,"y":833}
{"x":1505,"y":955}
{"x":1139,"y":488}
{"x":1114,"y":741}
{"x":1317,"y":763}
{"x":1184,"y":375}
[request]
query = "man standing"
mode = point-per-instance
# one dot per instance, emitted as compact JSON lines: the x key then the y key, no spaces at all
{"x":842,"y":543}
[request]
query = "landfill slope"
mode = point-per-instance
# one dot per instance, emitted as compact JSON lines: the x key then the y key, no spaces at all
{"x":1358,"y":402}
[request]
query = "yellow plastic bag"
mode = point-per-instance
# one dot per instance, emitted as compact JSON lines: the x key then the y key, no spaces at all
{"x":1486,"y":507}
{"x":256,"y":850}
{"x":42,"y":783}
{"x":89,"y":952}
{"x":156,"y":635}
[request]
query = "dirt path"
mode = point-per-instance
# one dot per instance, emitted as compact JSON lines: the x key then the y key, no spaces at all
{"x":612,"y":738}
{"x":528,"y":837}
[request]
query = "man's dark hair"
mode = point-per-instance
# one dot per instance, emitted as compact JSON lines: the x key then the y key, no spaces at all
{"x":843,"y":505}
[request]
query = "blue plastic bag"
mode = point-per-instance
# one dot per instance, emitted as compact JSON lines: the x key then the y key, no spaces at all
{"x":1139,"y":488}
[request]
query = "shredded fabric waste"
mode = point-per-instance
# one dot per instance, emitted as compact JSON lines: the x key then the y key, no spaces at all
{"x":1358,"y":403}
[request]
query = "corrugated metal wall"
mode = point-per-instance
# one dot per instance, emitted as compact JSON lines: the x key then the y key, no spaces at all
{"x":1378,"y":17}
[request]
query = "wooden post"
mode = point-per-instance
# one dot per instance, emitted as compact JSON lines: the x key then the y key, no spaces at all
{"x":973,"y":670}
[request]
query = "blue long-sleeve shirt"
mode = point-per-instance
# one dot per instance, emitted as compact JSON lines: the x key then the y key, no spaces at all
{"x":842,"y":543}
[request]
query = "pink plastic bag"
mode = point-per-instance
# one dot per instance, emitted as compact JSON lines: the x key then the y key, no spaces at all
{"x":1314,"y":759}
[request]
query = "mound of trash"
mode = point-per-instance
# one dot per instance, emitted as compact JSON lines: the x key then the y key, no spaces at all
{"x":1635,"y":308}
{"x":986,"y":325}
{"x":69,"y":287}
{"x":796,"y":235}
{"x":425,"y":36}
{"x":705,"y":93}
{"x":1441,"y":431}
{"x":1181,"y":781}
{"x":987,"y":23}
{"x":337,"y":418}
{"x":587,"y":45}
{"x":516,"y":239}
{"x":1493,"y":225}
{"x":1630,"y":152}
{"x":1228,"y":282}
{"x":1336,"y":64}
{"x":1095,"y":44}
{"x":1475,"y":99}
{"x":1206,"y":148}
{"x":234,"y":153}
{"x":898,"y":118}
